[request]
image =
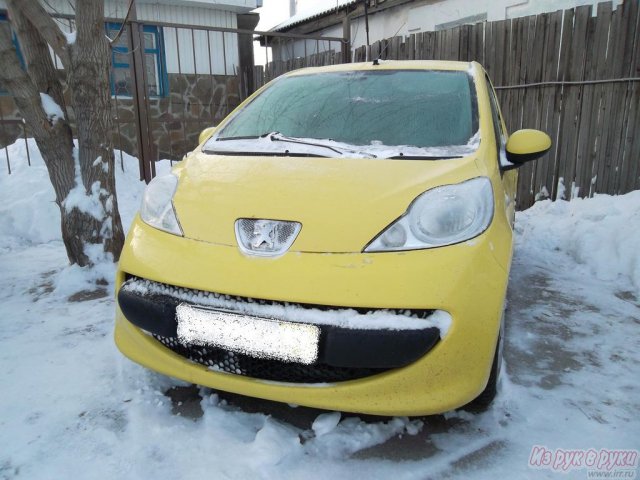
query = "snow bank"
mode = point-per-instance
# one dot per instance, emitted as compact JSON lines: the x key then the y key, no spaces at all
{"x":28,"y":212}
{"x":600,"y":233}
{"x":29,"y":215}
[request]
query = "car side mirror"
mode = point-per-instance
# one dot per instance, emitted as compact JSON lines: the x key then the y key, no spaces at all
{"x":526,"y":145}
{"x":206,"y":133}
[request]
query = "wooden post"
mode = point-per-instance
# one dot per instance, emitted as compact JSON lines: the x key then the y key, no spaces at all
{"x":346,"y":44}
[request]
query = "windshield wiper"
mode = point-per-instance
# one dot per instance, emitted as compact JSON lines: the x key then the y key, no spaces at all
{"x":272,"y":137}
{"x":278,"y":137}
{"x":245,"y":137}
{"x":402,"y":156}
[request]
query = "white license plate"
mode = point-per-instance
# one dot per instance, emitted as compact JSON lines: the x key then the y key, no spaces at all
{"x":258,"y":337}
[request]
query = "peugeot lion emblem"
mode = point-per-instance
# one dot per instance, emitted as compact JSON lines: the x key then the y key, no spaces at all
{"x":264,"y":231}
{"x":264,"y":237}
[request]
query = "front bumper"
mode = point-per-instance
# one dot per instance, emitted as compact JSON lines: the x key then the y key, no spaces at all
{"x":464,"y":280}
{"x":344,"y":352}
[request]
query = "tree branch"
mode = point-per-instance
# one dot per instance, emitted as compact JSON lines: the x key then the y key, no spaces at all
{"x":35,"y":51}
{"x":124,"y":23}
{"x":19,"y":84}
{"x":39,"y":18}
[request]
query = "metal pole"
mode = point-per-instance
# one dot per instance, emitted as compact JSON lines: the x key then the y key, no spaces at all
{"x":26,"y":143}
{"x":139,"y":77}
{"x":366,"y":19}
{"x":6,"y":150}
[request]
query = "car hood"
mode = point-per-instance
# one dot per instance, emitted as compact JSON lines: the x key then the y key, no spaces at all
{"x":342,"y":203}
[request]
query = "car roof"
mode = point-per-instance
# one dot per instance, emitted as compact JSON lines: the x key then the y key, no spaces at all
{"x":388,"y":65}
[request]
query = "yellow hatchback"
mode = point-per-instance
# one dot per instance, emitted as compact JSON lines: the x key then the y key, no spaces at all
{"x":342,"y":240}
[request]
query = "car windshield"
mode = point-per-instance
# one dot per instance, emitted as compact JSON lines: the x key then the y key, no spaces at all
{"x":414,"y":108}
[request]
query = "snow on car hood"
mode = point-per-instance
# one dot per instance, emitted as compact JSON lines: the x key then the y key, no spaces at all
{"x":342,"y":203}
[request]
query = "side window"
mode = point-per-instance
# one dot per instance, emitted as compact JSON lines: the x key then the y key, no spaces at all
{"x":3,"y":18}
{"x":154,"y":60}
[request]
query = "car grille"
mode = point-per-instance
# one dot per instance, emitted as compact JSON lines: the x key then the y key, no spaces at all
{"x":221,"y":360}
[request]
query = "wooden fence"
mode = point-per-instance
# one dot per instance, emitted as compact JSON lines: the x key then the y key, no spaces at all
{"x":571,"y":74}
{"x":262,"y":74}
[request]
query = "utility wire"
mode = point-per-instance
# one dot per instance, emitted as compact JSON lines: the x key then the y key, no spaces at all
{"x":577,"y":82}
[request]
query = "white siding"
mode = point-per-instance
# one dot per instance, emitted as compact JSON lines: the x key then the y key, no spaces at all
{"x":180,"y":42}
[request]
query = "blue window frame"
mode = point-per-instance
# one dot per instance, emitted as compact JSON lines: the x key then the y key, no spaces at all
{"x":154,"y":61}
{"x":3,"y":18}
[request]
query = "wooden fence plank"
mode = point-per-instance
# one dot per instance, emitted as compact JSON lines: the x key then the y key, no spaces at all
{"x":532,"y":111}
{"x":553,"y":116}
{"x":527,"y":111}
{"x":604,"y":180}
{"x":439,"y":45}
{"x":548,"y":70}
{"x":411,"y":52}
{"x":626,"y":90}
{"x":584,"y":141}
{"x":478,"y":54}
{"x":632,"y":140}
{"x":463,"y":48}
{"x":559,"y":101}
{"x":429,"y":46}
{"x":591,"y":124}
{"x":489,"y":49}
{"x":571,"y":99}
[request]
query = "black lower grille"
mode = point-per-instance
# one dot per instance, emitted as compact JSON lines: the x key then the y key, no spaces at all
{"x":275,"y":370}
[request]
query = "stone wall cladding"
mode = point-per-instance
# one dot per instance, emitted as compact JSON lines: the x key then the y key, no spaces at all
{"x":194,"y":103}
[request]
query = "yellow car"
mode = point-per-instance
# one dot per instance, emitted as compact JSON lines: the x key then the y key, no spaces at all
{"x":342,"y":240}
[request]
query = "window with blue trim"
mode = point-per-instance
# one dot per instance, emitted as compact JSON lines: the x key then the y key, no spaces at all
{"x":3,"y":18}
{"x":154,"y":60}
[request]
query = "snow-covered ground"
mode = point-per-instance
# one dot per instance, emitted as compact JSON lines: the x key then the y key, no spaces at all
{"x":72,"y":406}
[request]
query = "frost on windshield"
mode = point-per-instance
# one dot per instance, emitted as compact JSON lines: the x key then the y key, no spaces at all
{"x":372,"y":113}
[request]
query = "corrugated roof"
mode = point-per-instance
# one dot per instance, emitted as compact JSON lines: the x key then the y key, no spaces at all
{"x":316,"y":11}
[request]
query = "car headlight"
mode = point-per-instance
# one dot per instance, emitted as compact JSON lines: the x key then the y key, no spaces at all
{"x":440,"y":216}
{"x":157,"y":204}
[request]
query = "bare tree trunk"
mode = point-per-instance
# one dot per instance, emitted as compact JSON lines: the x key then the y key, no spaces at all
{"x":88,"y":78}
{"x":83,"y":178}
